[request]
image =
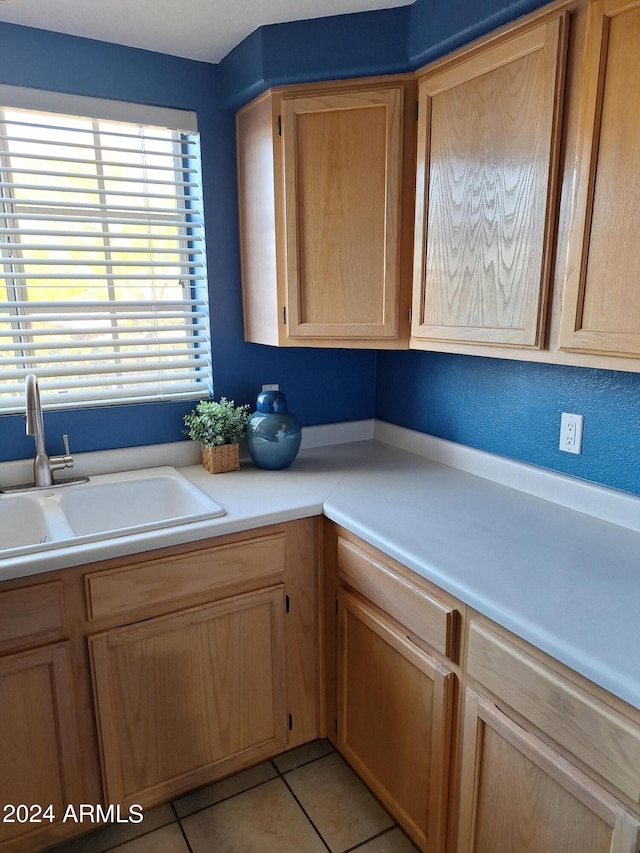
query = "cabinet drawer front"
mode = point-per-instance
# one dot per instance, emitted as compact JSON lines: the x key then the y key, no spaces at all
{"x":166,"y":579}
{"x":428,"y":618}
{"x":597,"y":735}
{"x":31,"y":615}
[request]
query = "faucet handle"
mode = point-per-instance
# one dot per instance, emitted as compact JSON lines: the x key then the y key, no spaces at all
{"x":64,"y":461}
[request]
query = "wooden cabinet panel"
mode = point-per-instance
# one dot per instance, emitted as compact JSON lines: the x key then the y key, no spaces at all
{"x":343,"y":182}
{"x":38,"y":729}
{"x":302,"y":632}
{"x":427,"y":617}
{"x":604,"y":740}
{"x":185,"y":697}
{"x":488,"y":141}
{"x":394,"y":719}
{"x":31,"y":615}
{"x":325,"y":177}
{"x":198,"y":572}
{"x":518,"y":794}
{"x":601,"y":308}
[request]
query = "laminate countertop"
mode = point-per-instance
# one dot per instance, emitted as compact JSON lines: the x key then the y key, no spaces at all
{"x":564,"y":580}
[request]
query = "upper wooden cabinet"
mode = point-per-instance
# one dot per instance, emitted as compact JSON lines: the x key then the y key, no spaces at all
{"x":601,"y":307}
{"x":488,"y":141}
{"x":325,"y":182}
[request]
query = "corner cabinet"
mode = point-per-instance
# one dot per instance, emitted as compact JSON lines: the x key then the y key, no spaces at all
{"x":486,"y":197}
{"x":325,"y":182}
{"x":601,"y":306}
{"x":395,"y":686}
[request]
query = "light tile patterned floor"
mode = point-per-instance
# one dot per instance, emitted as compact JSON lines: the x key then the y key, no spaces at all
{"x":307,"y":800}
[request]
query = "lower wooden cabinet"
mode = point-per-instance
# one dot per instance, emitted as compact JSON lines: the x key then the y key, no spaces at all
{"x":519,"y":794}
{"x":39,"y":753}
{"x":190,"y":695}
{"x":394,"y":719}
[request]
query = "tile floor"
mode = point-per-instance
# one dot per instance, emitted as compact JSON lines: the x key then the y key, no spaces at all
{"x":307,"y":800}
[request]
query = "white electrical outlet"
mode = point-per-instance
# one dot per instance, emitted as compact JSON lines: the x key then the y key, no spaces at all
{"x":273,"y":387}
{"x":571,"y":433}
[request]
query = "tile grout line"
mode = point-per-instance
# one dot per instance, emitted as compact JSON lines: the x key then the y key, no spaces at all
{"x":181,"y":827}
{"x":297,"y":801}
{"x":270,"y":761}
{"x":380,"y":834}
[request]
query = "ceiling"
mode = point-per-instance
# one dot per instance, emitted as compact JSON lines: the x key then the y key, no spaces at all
{"x":196,"y":29}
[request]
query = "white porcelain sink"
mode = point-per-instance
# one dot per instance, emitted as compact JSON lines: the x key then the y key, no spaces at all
{"x":26,"y":524}
{"x":135,"y":501}
{"x":108,"y":505}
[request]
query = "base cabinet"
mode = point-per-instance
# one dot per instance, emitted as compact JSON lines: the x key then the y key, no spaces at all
{"x":181,"y":696}
{"x":518,"y":794}
{"x":134,"y":680}
{"x":394,"y":712}
{"x":39,"y":754}
{"x":392,"y":681}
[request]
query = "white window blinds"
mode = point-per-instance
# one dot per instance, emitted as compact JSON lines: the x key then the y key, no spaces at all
{"x":103,"y":289}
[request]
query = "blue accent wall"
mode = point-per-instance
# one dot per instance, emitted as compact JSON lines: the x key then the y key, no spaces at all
{"x":506,"y":407}
{"x":513,"y":408}
{"x":322,"y":386}
{"x":342,"y":46}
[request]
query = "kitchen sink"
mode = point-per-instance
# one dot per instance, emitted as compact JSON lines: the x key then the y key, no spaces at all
{"x":27,"y":523}
{"x":135,"y":501}
{"x":107,"y":505}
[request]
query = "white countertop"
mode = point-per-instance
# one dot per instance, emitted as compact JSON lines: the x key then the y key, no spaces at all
{"x":562,"y":579}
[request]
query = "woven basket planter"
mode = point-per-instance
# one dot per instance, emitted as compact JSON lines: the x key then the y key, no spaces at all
{"x":221,"y":458}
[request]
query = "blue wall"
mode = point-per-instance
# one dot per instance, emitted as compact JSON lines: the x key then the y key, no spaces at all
{"x":513,"y":408}
{"x":507,"y":407}
{"x":322,"y":385}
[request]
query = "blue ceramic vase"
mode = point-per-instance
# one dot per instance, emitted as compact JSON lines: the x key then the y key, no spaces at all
{"x":273,"y":433}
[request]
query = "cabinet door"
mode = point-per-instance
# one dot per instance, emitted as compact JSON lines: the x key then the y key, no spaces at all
{"x":601,"y":309}
{"x":488,"y":140}
{"x":394,"y":719}
{"x":187,"y":697}
{"x":342,"y":170}
{"x":38,"y":747}
{"x":519,"y":794}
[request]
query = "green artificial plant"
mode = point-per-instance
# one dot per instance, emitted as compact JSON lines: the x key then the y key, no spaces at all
{"x":213,"y":423}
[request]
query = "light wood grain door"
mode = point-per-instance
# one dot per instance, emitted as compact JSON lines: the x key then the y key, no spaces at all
{"x":394,"y":719}
{"x":517,"y":794}
{"x":342,"y":171}
{"x":601,"y":308}
{"x":488,"y":139}
{"x":38,"y":741}
{"x":184,"y":698}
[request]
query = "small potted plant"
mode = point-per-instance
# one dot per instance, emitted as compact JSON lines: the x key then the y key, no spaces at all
{"x":218,"y":426}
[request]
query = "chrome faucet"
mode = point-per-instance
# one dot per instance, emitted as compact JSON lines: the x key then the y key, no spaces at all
{"x":43,"y":465}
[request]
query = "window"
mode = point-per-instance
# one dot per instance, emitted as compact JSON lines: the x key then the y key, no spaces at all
{"x":103,"y":292}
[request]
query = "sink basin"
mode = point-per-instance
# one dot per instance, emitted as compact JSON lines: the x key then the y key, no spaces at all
{"x":108,"y":505}
{"x":26,"y":524}
{"x":135,"y":501}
